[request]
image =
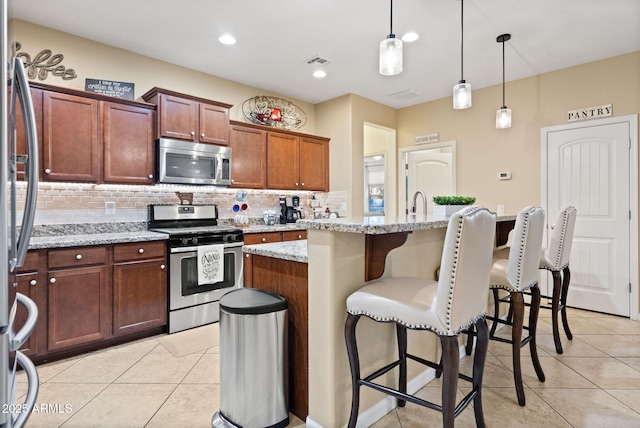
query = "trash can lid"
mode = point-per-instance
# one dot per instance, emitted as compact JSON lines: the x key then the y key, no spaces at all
{"x":252,"y":301}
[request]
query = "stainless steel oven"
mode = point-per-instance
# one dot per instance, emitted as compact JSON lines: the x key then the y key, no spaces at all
{"x":192,"y":303}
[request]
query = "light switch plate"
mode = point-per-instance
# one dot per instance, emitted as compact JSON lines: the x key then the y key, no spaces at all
{"x":109,"y":208}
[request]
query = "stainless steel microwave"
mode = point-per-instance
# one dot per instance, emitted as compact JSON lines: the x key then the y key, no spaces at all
{"x":184,"y":162}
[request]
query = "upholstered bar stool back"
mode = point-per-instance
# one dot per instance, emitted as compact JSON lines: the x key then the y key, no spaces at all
{"x":555,"y":259}
{"x":446,"y":307}
{"x":516,"y":274}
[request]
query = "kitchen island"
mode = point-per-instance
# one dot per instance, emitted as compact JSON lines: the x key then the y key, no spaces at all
{"x":343,"y":254}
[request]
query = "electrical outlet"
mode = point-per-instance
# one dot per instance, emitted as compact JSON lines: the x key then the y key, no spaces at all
{"x":109,"y":208}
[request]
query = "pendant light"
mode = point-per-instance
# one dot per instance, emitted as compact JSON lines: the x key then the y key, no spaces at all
{"x":503,"y":115}
{"x":462,"y":91}
{"x":391,"y":52}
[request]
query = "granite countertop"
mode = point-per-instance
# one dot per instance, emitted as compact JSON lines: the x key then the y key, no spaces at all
{"x":295,"y":251}
{"x":262,"y":228}
{"x":377,"y":225}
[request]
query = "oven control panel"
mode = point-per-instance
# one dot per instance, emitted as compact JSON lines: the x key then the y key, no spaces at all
{"x":194,"y":240}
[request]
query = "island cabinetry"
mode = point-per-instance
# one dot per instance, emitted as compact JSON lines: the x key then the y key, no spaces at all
{"x":30,"y":280}
{"x":249,"y":162}
{"x":79,"y":296}
{"x":185,"y":117}
{"x":70,"y":138}
{"x":127,"y":143}
{"x":289,"y":279}
{"x":139,"y":286}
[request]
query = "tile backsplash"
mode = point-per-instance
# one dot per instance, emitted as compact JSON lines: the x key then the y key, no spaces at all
{"x":63,"y":203}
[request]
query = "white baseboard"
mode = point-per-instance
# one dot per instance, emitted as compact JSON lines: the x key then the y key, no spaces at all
{"x":388,"y":403}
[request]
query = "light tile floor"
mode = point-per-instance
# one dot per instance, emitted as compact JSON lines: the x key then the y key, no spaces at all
{"x":595,"y":383}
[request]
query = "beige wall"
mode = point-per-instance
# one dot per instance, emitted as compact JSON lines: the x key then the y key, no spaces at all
{"x":98,"y":61}
{"x":543,"y":100}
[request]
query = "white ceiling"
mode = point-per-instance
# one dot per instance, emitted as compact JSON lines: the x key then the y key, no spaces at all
{"x":276,"y":38}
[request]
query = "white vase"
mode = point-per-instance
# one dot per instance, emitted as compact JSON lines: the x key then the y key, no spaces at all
{"x":446,"y":210}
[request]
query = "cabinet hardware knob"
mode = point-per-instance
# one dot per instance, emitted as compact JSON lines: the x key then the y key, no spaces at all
{"x":162,"y":267}
{"x":150,"y":175}
{"x":296,"y":184}
{"x":246,"y":255}
{"x":47,"y":171}
{"x":299,"y":236}
{"x":193,"y":133}
{"x":78,"y":256}
{"x":33,"y":282}
{"x":141,"y":250}
{"x":264,"y":239}
{"x":202,"y":135}
{"x":52,"y":280}
{"x":302,"y":184}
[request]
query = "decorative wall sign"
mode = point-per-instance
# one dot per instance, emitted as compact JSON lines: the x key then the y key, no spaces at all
{"x":429,"y":138}
{"x":43,"y":64}
{"x":110,"y":88}
{"x":587,"y":113}
{"x":273,"y":111}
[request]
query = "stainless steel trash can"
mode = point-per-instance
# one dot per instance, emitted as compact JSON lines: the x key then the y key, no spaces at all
{"x":254,"y":386}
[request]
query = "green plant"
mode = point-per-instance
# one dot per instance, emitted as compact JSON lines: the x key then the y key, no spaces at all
{"x":454,"y":200}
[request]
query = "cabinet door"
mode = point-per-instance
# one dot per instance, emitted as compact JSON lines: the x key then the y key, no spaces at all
{"x":139,"y":296}
{"x":249,"y":157}
{"x":262,"y":238}
{"x":79,"y":306}
{"x":314,"y":164}
{"x":36,"y":98}
{"x":214,"y":125}
{"x":29,"y":285}
{"x":177,"y":117}
{"x":127,"y":138}
{"x":282,"y":161}
{"x":70,"y":138}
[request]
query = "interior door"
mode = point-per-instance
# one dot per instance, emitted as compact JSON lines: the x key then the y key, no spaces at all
{"x":589,"y":167}
{"x":432,"y":173}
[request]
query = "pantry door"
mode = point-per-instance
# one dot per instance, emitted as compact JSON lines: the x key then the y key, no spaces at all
{"x":589,"y":165}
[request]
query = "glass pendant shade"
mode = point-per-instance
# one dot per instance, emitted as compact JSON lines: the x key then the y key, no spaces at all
{"x":462,"y":95}
{"x":503,"y":118}
{"x":391,"y":56}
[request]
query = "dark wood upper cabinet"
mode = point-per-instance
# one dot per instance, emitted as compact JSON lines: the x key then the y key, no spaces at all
{"x":127,"y":142}
{"x":36,"y":98}
{"x":314,"y":164}
{"x":249,"y":161}
{"x":70,"y":141}
{"x":185,"y":117}
{"x":283,"y":164}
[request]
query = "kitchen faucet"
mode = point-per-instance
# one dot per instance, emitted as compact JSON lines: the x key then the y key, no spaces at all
{"x":424,"y":202}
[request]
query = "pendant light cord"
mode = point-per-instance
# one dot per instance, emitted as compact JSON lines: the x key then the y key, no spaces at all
{"x":503,"y":105}
{"x":391,"y":19}
{"x":461,"y":40}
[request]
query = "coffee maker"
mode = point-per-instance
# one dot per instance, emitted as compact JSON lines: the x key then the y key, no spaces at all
{"x":289,"y":209}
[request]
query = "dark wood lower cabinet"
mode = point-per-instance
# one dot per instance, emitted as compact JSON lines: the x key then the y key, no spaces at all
{"x":290,"y":280}
{"x":79,"y":306}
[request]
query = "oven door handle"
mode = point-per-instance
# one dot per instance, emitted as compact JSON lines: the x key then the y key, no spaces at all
{"x":178,"y":250}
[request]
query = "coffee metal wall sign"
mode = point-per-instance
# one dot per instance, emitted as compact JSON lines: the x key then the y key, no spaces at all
{"x":43,"y":64}
{"x":587,"y":113}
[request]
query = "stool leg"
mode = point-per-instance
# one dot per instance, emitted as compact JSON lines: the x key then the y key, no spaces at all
{"x":401,"y":331}
{"x":469,"y":346}
{"x":517,"y":303}
{"x":566,"y":277}
{"x":450,"y":370}
{"x":482,"y":344}
{"x":533,"y":327}
{"x":354,"y":363}
{"x":496,"y":311}
{"x":555,"y":307}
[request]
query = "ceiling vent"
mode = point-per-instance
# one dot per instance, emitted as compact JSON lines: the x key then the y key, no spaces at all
{"x":405,"y":95}
{"x":317,"y":60}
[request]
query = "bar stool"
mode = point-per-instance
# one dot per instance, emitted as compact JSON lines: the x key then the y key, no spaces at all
{"x":517,"y":274}
{"x":555,"y":259}
{"x":446,"y":307}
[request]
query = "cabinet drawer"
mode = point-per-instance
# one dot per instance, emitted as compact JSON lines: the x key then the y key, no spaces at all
{"x":79,"y":256}
{"x":294,"y":235}
{"x":30,"y":262}
{"x":262,"y":238}
{"x":139,"y":251}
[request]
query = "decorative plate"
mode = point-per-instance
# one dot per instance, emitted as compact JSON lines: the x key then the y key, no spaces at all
{"x":273,"y":111}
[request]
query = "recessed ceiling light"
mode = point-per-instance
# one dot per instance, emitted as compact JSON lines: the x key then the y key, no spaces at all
{"x":410,"y":37}
{"x":227,"y":40}
{"x":319,"y":74}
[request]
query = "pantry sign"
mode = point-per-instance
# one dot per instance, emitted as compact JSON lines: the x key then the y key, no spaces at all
{"x":587,"y":113}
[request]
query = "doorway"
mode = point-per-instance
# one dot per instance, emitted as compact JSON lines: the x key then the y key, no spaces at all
{"x":430,"y":170}
{"x":594,"y":167}
{"x":379,"y":150}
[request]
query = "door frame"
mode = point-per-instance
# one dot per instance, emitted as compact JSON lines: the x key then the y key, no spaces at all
{"x":402,"y":182}
{"x":633,"y":190}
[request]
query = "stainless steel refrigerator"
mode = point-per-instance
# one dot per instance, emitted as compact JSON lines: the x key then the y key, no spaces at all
{"x":14,"y":98}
